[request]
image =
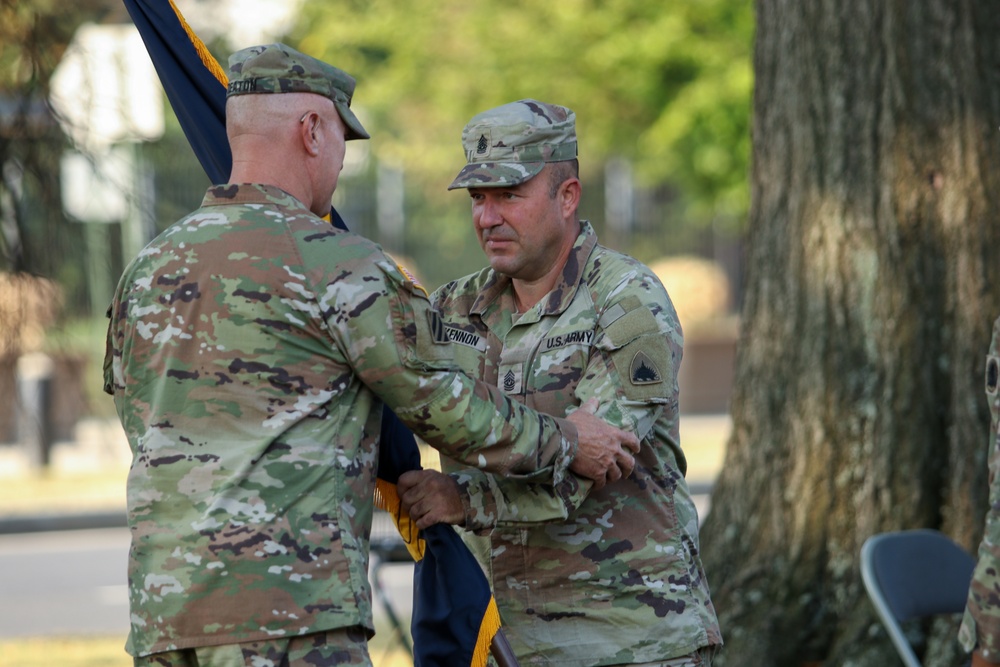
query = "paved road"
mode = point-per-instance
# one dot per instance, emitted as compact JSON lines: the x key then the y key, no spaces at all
{"x":73,"y":583}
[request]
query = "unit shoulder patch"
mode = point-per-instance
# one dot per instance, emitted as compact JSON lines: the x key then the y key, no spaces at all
{"x":643,"y":370}
{"x":439,"y":335}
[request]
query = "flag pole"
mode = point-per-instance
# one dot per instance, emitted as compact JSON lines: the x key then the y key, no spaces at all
{"x":502,"y":652}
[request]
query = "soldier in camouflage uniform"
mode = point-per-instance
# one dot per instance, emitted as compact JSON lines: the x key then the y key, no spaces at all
{"x":980,"y":631}
{"x":250,"y":349}
{"x":581,"y":576}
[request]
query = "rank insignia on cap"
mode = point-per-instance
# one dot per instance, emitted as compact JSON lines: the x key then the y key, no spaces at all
{"x":438,"y":332}
{"x":643,"y":370}
{"x":992,"y":373}
{"x":483,"y":145}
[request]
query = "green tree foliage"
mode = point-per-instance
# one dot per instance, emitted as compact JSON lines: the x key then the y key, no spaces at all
{"x":664,"y":85}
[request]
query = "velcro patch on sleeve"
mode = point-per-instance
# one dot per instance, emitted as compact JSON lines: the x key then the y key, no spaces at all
{"x":638,"y":350}
{"x":631,"y":325}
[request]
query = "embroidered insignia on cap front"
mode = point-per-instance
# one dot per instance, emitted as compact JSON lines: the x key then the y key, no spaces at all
{"x":483,"y":145}
{"x":992,"y":374}
{"x":643,"y":370}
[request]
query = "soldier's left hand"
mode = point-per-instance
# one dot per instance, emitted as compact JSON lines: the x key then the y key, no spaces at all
{"x":604,"y":453}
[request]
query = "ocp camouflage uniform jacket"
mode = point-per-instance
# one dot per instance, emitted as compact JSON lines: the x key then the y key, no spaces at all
{"x":249,"y":351}
{"x":585,"y":577}
{"x":981,"y":623}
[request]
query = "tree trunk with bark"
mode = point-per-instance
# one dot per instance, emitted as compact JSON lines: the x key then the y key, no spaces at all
{"x":873,"y":279}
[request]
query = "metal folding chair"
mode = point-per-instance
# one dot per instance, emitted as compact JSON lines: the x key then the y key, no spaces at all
{"x":914,"y":574}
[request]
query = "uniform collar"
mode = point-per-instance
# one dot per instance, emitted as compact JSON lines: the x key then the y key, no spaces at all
{"x":562,"y":294}
{"x":249,"y":193}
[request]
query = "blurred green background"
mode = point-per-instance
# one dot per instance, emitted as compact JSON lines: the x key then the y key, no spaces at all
{"x":661,"y":92}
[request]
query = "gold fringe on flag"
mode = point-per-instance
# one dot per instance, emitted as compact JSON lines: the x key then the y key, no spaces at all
{"x":211,"y":64}
{"x":487,"y":630}
{"x":387,"y":498}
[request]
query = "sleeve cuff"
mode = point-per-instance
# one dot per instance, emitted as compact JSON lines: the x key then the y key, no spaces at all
{"x":479,"y":502}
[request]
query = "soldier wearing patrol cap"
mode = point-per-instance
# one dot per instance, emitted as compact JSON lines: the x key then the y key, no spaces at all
{"x":581,"y":576}
{"x":250,"y":350}
{"x":277,"y":68}
{"x":980,"y":630}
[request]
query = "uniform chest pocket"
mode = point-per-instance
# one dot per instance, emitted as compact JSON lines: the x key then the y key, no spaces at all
{"x":561,"y":360}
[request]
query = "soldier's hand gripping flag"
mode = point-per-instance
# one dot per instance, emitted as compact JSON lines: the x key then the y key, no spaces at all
{"x":455,"y":621}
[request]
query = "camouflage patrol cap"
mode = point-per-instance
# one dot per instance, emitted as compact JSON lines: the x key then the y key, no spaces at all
{"x":510,"y":144}
{"x":277,"y":68}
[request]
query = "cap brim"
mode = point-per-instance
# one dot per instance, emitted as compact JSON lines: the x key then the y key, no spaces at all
{"x":495,"y":174}
{"x":354,"y":128}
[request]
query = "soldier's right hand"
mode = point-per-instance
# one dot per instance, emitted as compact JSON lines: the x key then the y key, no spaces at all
{"x":604,"y":453}
{"x":430,"y":497}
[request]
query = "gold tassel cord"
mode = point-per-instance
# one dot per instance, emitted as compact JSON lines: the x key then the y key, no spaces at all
{"x":387,"y":498}
{"x":211,"y":64}
{"x":487,"y":630}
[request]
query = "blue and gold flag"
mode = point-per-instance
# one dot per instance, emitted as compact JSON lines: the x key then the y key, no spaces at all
{"x":455,"y":619}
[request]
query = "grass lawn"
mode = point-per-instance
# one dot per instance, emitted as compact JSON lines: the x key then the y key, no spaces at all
{"x":110,"y":652}
{"x":58,"y":491}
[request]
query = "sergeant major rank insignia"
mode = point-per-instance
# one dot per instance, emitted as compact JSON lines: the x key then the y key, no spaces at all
{"x":509,"y":378}
{"x":643,"y":370}
{"x":509,"y":381}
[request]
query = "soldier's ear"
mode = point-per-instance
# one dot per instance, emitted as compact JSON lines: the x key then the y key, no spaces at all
{"x":569,"y":196}
{"x":308,"y":126}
